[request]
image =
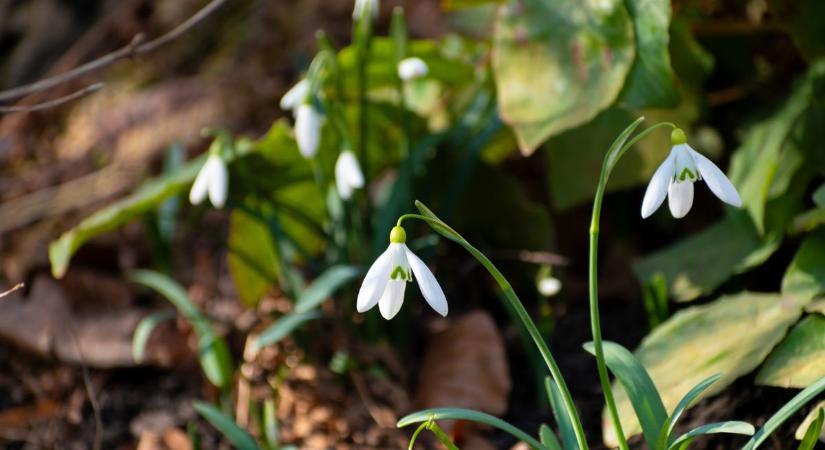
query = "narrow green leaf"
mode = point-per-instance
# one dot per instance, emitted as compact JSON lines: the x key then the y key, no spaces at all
{"x":784,"y":413}
{"x":731,"y":427}
{"x":640,"y":389}
{"x":548,"y":438}
{"x":398,"y":33}
{"x":813,"y":432}
{"x":439,"y":226}
{"x":473,"y":416}
{"x":269,"y":418}
{"x":283,"y":327}
{"x":227,"y":426}
{"x":568,"y":435}
{"x":213,"y":352}
{"x":324,"y":286}
{"x":665,"y":437}
{"x":216,"y":359}
{"x":168,"y":288}
{"x":143,"y":331}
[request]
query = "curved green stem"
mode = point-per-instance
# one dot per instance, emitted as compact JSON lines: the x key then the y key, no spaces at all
{"x":610,"y":160}
{"x":525,"y":319}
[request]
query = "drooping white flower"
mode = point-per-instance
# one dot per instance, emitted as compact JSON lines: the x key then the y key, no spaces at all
{"x":548,"y":286}
{"x":387,"y":280}
{"x":308,"y":129}
{"x":295,"y":95}
{"x":365,"y":7}
{"x":412,"y":68}
{"x":348,"y":175}
{"x":213,"y":179}
{"x":675,"y":177}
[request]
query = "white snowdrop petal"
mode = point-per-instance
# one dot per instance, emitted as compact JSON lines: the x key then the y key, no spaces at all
{"x":658,"y":187}
{"x":429,"y":286}
{"x":199,"y":188}
{"x":295,"y":95}
{"x":680,"y":198}
{"x":549,"y":286}
{"x":375,"y":282}
{"x":716,"y":180}
{"x":308,"y":130}
{"x":412,"y":68}
{"x":392,"y":299}
{"x":218,"y":182}
{"x":348,"y":175}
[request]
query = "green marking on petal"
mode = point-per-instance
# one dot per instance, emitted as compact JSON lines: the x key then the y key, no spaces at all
{"x":687,"y":173}
{"x":398,"y":272}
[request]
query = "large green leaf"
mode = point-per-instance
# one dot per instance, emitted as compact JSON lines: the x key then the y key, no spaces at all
{"x":252,"y":257}
{"x":640,"y":390}
{"x":651,"y":81}
{"x":805,"y":277}
{"x":732,"y":336}
{"x":559,"y":65}
{"x":760,"y":161}
{"x":699,"y":264}
{"x":799,"y":360}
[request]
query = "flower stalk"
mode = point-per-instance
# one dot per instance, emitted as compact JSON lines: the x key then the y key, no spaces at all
{"x":521,"y":313}
{"x":619,"y":147}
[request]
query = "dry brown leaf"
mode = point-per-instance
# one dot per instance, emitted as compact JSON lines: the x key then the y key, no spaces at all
{"x":465,"y":366}
{"x":45,"y":323}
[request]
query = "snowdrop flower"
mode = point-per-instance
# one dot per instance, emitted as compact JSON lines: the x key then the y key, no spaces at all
{"x":365,"y":7}
{"x":212,"y":179}
{"x":675,"y":177}
{"x":308,"y":129}
{"x":412,"y":68}
{"x":548,"y":286}
{"x":348,"y":176}
{"x":295,"y":95}
{"x":388,"y":277}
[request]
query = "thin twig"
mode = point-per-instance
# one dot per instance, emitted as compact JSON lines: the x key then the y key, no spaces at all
{"x":16,"y":287}
{"x":90,"y":393}
{"x":135,"y":48}
{"x":52,"y":103}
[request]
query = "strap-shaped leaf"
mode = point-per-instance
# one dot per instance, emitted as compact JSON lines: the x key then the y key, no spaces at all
{"x":731,"y":427}
{"x":283,"y":327}
{"x":143,"y":331}
{"x":473,"y":416}
{"x":640,"y":388}
{"x":800,"y":400}
{"x":548,"y":438}
{"x":227,"y":426}
{"x":665,"y":436}
{"x":568,"y":436}
{"x":324,"y":286}
{"x":813,"y":432}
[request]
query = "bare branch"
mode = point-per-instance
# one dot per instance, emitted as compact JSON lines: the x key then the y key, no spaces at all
{"x":135,"y":48}
{"x":52,"y":103}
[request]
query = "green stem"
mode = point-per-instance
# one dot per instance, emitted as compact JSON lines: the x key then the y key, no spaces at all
{"x":526,"y":321}
{"x":441,"y":435}
{"x":610,"y":161}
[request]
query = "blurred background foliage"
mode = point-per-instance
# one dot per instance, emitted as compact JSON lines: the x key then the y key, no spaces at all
{"x":504,"y":138}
